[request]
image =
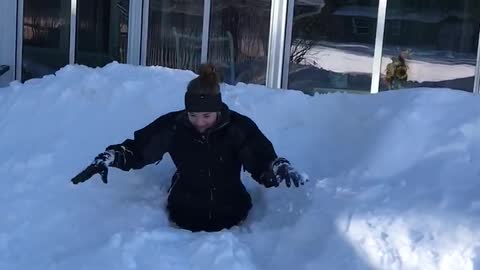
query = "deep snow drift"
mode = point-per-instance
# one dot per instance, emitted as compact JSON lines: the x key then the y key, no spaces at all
{"x":394,"y":178}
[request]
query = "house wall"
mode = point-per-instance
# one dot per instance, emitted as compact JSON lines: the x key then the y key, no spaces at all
{"x":8,"y":29}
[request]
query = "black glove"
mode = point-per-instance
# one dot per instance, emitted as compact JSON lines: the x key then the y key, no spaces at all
{"x":280,"y":171}
{"x":99,"y":165}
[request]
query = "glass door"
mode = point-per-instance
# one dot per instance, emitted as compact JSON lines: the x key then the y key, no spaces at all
{"x":102,"y":32}
{"x":46,"y":37}
{"x":175,"y":33}
{"x":238,"y":40}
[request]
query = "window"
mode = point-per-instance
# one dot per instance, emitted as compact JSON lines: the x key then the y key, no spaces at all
{"x":238,"y":41}
{"x":46,"y":37}
{"x":332,"y":45}
{"x":102,"y":32}
{"x":430,"y":44}
{"x":175,"y":33}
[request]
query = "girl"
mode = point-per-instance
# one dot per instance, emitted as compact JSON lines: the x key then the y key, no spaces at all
{"x":209,"y":144}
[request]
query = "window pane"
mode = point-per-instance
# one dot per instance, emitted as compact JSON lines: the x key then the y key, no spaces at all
{"x":102,"y":32}
{"x":238,"y":41}
{"x":430,"y":43}
{"x":332,"y":45}
{"x":175,"y":33}
{"x":46,"y":37}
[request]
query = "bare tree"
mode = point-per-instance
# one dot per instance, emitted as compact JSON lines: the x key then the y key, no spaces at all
{"x":303,"y":36}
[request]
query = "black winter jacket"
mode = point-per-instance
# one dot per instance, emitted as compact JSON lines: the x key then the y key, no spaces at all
{"x":206,"y":191}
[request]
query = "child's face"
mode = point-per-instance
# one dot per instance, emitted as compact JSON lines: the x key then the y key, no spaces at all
{"x":202,"y":120}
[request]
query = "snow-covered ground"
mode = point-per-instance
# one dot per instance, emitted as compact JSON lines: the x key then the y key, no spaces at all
{"x":395,"y":178}
{"x":422,"y":69}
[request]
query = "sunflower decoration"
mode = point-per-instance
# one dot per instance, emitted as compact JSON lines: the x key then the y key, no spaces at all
{"x":397,"y":71}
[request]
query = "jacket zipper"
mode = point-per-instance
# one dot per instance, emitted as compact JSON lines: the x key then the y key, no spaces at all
{"x":210,"y":214}
{"x":211,"y":197}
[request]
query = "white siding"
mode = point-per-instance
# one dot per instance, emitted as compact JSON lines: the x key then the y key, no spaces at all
{"x":8,"y":22}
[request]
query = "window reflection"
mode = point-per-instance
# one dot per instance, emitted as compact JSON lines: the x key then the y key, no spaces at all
{"x":102,"y":32}
{"x":332,"y":45}
{"x":175,"y":33}
{"x":238,"y":41}
{"x":46,"y":37}
{"x":430,"y":44}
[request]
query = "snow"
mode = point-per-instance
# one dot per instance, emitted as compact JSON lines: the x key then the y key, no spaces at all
{"x":394,"y":178}
{"x":426,"y":68}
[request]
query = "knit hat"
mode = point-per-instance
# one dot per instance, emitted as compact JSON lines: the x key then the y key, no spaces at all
{"x":203,"y":92}
{"x":203,"y":102}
